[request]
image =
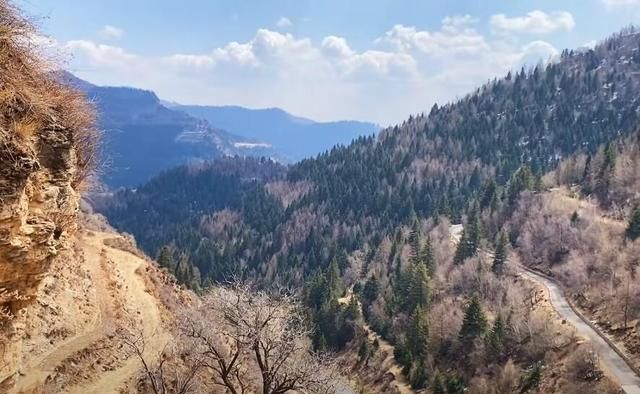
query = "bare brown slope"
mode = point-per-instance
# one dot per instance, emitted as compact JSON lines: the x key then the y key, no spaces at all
{"x":91,"y":358}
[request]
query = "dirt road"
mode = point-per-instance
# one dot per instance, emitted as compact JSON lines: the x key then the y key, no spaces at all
{"x":139,"y":300}
{"x":613,"y":364}
{"x":133,"y":294}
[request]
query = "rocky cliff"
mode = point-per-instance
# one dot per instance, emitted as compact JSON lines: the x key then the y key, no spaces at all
{"x":47,"y":148}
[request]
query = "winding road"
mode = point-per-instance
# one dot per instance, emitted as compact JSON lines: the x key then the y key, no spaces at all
{"x":613,"y":364}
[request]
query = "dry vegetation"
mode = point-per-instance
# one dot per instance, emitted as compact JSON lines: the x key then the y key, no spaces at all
{"x":587,"y":252}
{"x":260,"y":344}
{"x":535,"y":335}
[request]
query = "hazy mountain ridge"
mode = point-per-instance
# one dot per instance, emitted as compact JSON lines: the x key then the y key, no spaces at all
{"x":294,"y":137}
{"x":142,"y":137}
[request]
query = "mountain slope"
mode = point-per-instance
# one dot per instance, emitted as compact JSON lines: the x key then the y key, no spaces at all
{"x":295,"y":138}
{"x":433,"y":164}
{"x":142,"y":137}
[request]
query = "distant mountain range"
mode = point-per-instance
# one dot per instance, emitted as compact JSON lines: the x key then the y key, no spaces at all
{"x":145,"y":135}
{"x":142,"y":137}
{"x":292,"y":137}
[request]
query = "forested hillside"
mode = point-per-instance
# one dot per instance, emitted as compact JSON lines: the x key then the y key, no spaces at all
{"x":366,"y":227}
{"x":432,"y":164}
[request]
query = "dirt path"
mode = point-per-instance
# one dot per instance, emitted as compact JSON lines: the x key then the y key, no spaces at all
{"x":139,"y":300}
{"x":389,"y":364}
{"x":136,"y":299}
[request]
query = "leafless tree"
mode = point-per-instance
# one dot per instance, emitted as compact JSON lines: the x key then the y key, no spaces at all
{"x":245,"y":334}
{"x":162,"y":373}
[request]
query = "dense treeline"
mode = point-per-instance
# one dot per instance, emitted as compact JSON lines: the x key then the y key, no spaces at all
{"x":170,"y":213}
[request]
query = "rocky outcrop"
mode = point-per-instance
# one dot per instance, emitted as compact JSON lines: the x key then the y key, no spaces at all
{"x":38,"y":207}
{"x":47,"y":148}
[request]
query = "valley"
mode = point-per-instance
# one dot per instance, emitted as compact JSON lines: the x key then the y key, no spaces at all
{"x":487,"y":245}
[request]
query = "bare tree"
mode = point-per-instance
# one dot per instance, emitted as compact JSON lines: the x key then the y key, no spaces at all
{"x":162,"y":373}
{"x":245,"y":334}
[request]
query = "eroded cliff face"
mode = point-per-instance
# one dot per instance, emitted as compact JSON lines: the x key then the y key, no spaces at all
{"x":38,"y":207}
{"x":47,"y":148}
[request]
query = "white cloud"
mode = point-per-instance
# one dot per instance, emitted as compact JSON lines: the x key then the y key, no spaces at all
{"x":534,"y":22}
{"x":336,"y":47}
{"x":100,"y":54}
{"x":405,"y":71}
{"x":456,"y":36}
{"x":283,"y":22}
{"x":621,"y":3}
{"x":109,"y":31}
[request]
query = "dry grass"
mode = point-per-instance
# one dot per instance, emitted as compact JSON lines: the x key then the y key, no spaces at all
{"x":34,"y":105}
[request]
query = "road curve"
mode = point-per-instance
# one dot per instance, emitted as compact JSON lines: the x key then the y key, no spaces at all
{"x":615,"y":366}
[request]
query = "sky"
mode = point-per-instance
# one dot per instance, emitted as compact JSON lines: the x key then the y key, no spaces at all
{"x":374,"y":60}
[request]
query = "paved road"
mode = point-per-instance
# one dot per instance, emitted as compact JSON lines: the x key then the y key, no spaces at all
{"x":614,"y":365}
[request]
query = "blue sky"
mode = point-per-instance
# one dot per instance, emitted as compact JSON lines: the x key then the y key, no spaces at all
{"x":377,"y":60}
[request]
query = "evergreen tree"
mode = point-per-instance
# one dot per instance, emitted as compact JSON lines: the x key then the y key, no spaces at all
{"x":531,"y":378}
{"x":419,"y":292}
{"x":500,"y":257}
{"x":165,"y":258}
{"x":418,"y":333}
{"x":488,"y":196}
{"x":353,"y":309}
{"x":364,"y":352}
{"x":414,"y":241}
{"x":520,"y":181}
{"x":633,"y":229}
{"x":469,"y":241}
{"x":496,"y":338}
{"x":473,"y":224}
{"x":437,"y":385}
{"x":334,"y":280}
{"x":474,"y":322}
{"x":455,"y":385}
{"x":371,"y":290}
{"x":417,"y":374}
{"x":574,"y":218}
{"x":428,"y":258}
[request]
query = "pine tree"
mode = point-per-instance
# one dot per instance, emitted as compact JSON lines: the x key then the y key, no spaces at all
{"x":469,"y":241}
{"x":165,"y":258}
{"x":419,"y":292}
{"x":496,"y":338}
{"x":500,"y":257}
{"x":488,"y":194}
{"x":428,"y":258}
{"x":334,"y":280}
{"x":574,"y":218}
{"x":418,"y":333}
{"x":182,"y":269}
{"x":437,"y":385}
{"x":633,"y":229}
{"x":474,"y":322}
{"x":364,"y":352}
{"x":370,"y":291}
{"x":414,"y":241}
{"x":520,"y":181}
{"x":463,"y":249}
